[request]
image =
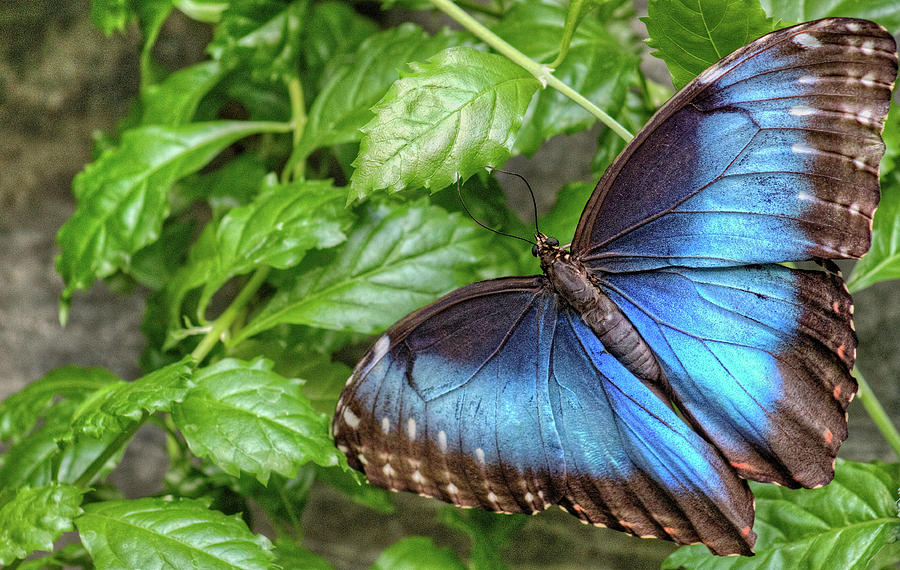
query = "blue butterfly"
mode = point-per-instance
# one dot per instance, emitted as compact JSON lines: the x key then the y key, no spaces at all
{"x":667,"y":357}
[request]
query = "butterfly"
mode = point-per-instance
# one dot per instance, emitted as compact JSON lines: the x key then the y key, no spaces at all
{"x":667,"y":356}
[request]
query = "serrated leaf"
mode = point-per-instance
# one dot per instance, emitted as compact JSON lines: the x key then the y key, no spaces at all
{"x":244,"y":417}
{"x":174,"y":100}
{"x":596,"y":66}
{"x":399,"y":258}
{"x":882,"y":261}
{"x":276,"y":229}
{"x":122,"y":195}
{"x":32,"y":518}
{"x":457,"y":113}
{"x":353,"y":87}
{"x":234,"y":184}
{"x":20,"y":412}
{"x":691,"y":35}
{"x":265,"y":36}
{"x":39,"y":459}
{"x":115,"y":406}
{"x":169,"y":533}
{"x":417,"y":553}
{"x":291,"y":556}
{"x":842,"y":525}
{"x":885,"y":12}
{"x":155,"y":265}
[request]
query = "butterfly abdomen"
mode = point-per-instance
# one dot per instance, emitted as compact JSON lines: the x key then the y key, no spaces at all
{"x":575,"y":283}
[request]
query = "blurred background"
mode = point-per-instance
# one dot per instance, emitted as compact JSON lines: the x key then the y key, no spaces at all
{"x":61,"y":81}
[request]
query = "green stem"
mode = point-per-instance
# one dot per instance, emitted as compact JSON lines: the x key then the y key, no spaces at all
{"x":541,"y":72}
{"x":123,"y":438}
{"x":296,"y":165}
{"x":476,"y":7}
{"x":572,"y":17}
{"x":224,"y":321}
{"x":877,"y":413}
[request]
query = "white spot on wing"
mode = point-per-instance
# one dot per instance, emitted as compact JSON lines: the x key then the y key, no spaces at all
{"x":343,"y":448}
{"x":807,"y":80}
{"x":868,"y":47}
{"x":853,"y":27}
{"x":807,"y":41}
{"x":801,"y":110}
{"x":350,"y":418}
{"x":418,"y":478}
{"x":492,"y":497}
{"x":388,"y":470}
{"x":362,"y":458}
{"x":411,"y":429}
{"x":385,"y":424}
{"x":451,"y":488}
{"x":868,"y":79}
{"x":442,"y":441}
{"x":801,"y":148}
{"x":479,"y":454}
{"x":859,"y":163}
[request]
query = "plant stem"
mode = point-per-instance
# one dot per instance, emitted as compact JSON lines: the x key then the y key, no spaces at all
{"x":123,"y":438}
{"x":296,"y":165}
{"x":224,"y":321}
{"x":486,"y":10}
{"x":572,"y":19}
{"x":541,"y":72}
{"x":877,"y":413}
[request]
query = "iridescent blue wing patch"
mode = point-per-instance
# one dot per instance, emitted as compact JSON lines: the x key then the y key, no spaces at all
{"x":758,"y":357}
{"x":498,"y":396}
{"x":771,"y":155}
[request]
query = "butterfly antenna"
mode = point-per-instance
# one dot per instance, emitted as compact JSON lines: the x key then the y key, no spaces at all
{"x":530,"y":191}
{"x":466,"y":208}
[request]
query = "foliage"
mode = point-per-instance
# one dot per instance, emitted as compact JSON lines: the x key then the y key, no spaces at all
{"x":285,"y":199}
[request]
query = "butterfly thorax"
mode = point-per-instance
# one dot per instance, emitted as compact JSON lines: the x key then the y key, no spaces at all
{"x":579,"y":287}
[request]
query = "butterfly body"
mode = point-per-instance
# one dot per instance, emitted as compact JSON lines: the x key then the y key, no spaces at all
{"x":581,"y":290}
{"x":519,"y":393}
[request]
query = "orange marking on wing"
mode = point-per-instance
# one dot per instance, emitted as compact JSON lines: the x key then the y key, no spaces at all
{"x":670,"y":531}
{"x":840,"y":351}
{"x":836,"y":307}
{"x":745,"y":531}
{"x":828,"y":436}
{"x":744,"y":466}
{"x":837,"y":392}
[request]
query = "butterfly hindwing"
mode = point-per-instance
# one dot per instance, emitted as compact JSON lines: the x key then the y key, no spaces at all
{"x":499,"y":396}
{"x":771,"y":155}
{"x":759,"y":358}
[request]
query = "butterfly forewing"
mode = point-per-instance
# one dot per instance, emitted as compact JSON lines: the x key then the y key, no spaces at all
{"x":771,"y":155}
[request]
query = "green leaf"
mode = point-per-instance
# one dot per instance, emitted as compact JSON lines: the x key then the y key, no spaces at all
{"x":399,"y":258}
{"x":489,"y":532}
{"x":208,"y":11}
{"x":115,"y":406}
{"x":353,"y":87}
{"x":691,"y":36}
{"x":20,"y":412}
{"x":563,"y":218}
{"x":276,"y":229}
{"x":72,"y":555}
{"x":882,"y":262}
{"x":169,"y":533}
{"x":174,"y":100}
{"x":151,"y":15}
{"x":417,"y":553}
{"x":842,"y":525}
{"x":245,"y":417}
{"x":457,"y":113}
{"x":332,"y":31}
{"x":265,"y":36}
{"x":596,"y":66}
{"x":156,"y":264}
{"x":291,"y":556}
{"x":234,"y":184}
{"x":347,"y":482}
{"x":39,"y":458}
{"x":885,"y":12}
{"x":32,"y":518}
{"x":110,"y":15}
{"x":122,"y":196}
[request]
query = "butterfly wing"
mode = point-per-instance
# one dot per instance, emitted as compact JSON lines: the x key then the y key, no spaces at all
{"x":758,"y":357}
{"x":770,"y":155}
{"x":499,"y":396}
